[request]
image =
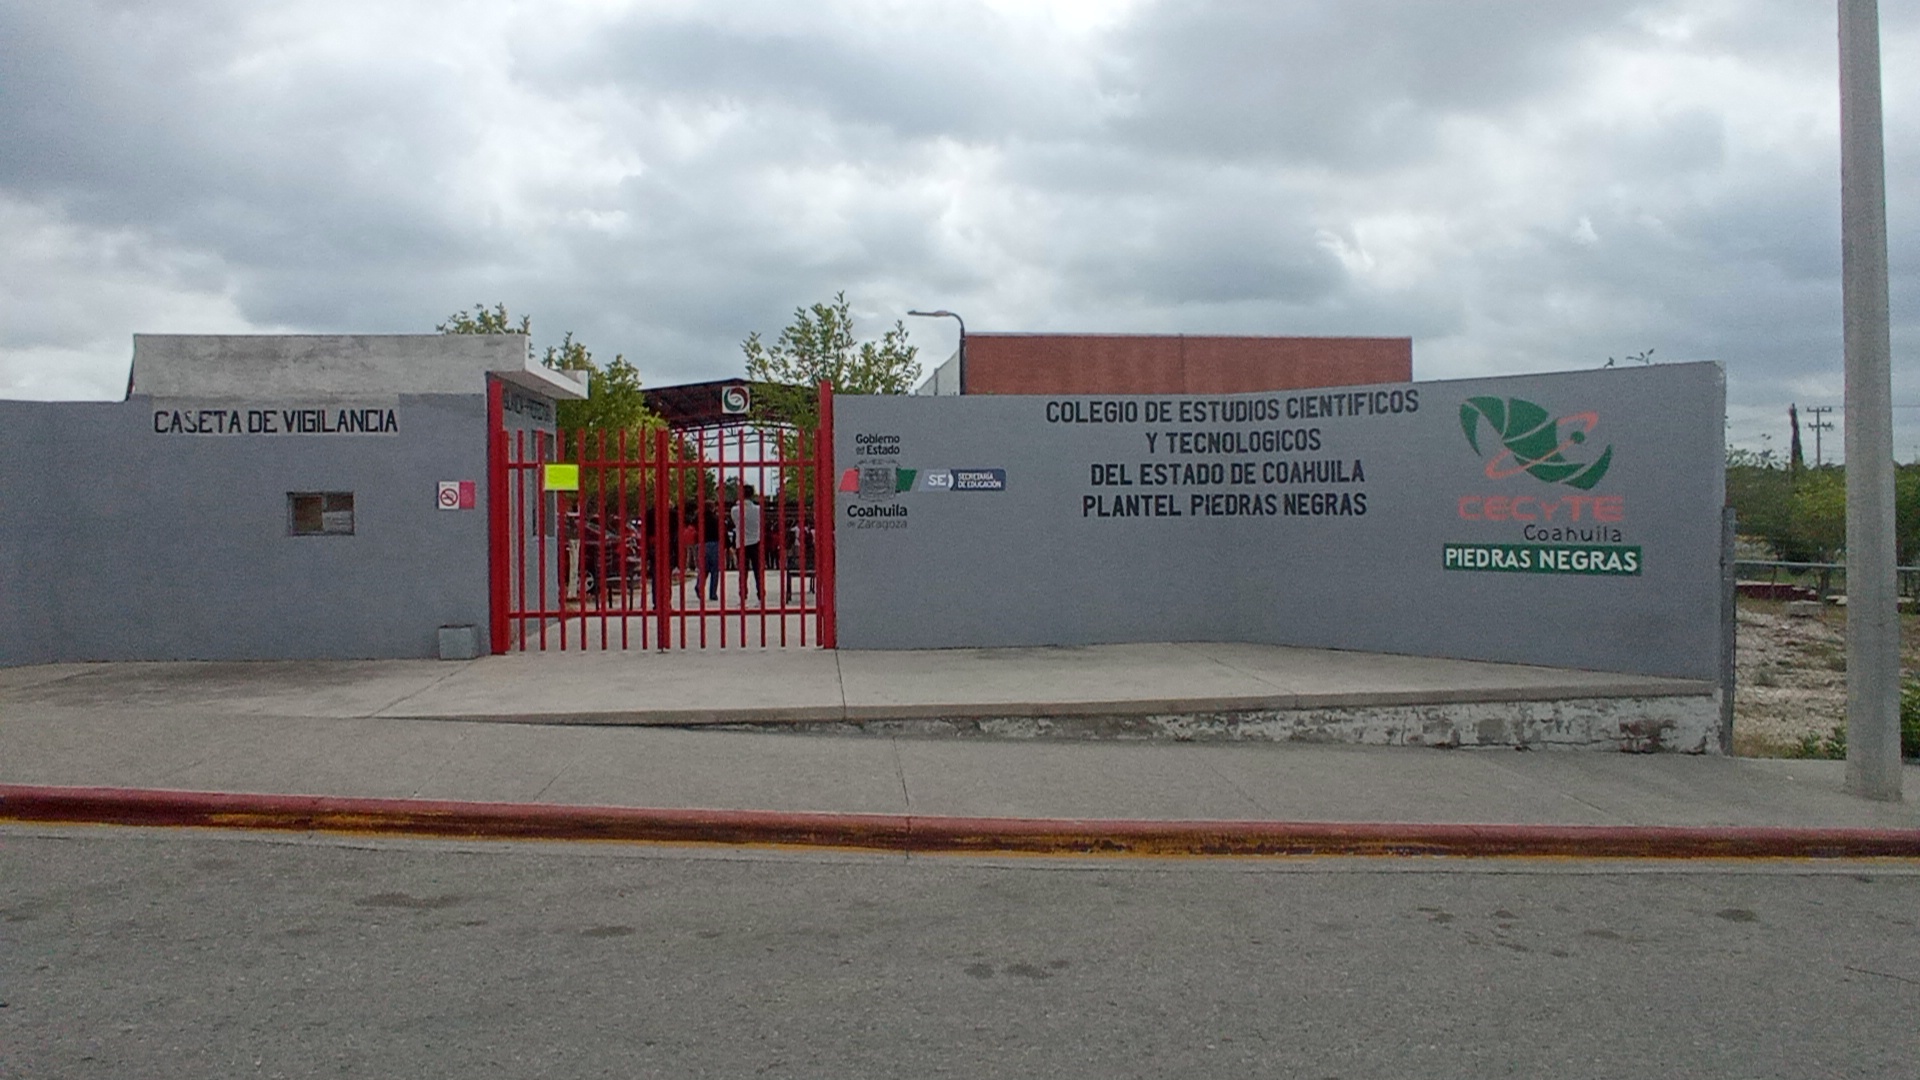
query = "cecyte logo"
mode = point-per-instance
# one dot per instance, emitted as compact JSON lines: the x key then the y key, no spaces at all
{"x":1532,"y":441}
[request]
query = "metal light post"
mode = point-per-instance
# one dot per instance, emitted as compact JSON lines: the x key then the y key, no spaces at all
{"x":1873,"y":618}
{"x":944,"y":314}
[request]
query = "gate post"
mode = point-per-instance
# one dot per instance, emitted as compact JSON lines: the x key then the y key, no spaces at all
{"x":499,"y":582}
{"x":824,"y":518}
{"x":662,"y":541}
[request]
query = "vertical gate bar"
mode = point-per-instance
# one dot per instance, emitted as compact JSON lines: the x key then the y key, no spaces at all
{"x":824,"y":578}
{"x":606,"y":540}
{"x":555,"y":507}
{"x":793,"y":552}
{"x":740,"y":535}
{"x":746,"y":466}
{"x":662,"y":543}
{"x":720,"y":522}
{"x":717,"y":509}
{"x":726,"y":519}
{"x":600,"y":514}
{"x":693,"y":474}
{"x":810,"y":511}
{"x":760,"y":542}
{"x":720,"y":569}
{"x":580,"y":502}
{"x":579,"y":515}
{"x":705,"y":510}
{"x":626,"y":583}
{"x":683,"y":513}
{"x":813,"y":541}
{"x":520,"y":538}
{"x":564,"y":579}
{"x":809,"y":549}
{"x":739,"y":552}
{"x":781,"y":525}
{"x":753,"y":466}
{"x":682,"y":603}
{"x":540,"y":529}
{"x":700,"y":496}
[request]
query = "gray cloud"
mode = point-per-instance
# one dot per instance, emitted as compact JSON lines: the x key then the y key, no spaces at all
{"x":1517,"y":185}
{"x":1359,"y":84}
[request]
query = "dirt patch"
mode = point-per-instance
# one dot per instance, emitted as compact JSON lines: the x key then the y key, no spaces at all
{"x":1792,"y":672}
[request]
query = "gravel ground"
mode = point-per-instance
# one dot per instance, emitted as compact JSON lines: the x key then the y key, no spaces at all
{"x":1792,"y":674}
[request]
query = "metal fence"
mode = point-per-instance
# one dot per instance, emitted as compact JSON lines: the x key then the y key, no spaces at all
{"x":1812,"y":580}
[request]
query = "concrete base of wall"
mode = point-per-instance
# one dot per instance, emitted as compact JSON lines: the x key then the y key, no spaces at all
{"x":1635,"y":725}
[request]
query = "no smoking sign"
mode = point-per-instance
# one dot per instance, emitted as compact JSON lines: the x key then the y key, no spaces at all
{"x":456,"y":495}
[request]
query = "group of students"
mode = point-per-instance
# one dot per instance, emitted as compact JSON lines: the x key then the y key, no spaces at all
{"x":700,"y":533}
{"x":712,"y":532}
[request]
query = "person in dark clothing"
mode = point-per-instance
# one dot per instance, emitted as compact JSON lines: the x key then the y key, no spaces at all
{"x":712,"y":531}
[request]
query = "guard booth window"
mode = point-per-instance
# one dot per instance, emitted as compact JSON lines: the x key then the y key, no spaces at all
{"x":320,"y":513}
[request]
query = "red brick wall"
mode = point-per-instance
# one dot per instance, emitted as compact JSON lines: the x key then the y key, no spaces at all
{"x":1155,"y":364}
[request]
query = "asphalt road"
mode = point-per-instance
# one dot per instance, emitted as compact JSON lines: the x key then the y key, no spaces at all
{"x":154,"y":953}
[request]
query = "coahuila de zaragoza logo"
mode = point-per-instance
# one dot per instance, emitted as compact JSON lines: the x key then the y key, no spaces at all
{"x":1534,"y":441}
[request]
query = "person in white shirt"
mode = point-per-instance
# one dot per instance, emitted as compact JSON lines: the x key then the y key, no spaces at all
{"x":746,"y":526}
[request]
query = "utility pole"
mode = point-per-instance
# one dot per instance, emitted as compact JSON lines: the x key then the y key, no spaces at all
{"x":1819,"y":423}
{"x":1873,"y":619}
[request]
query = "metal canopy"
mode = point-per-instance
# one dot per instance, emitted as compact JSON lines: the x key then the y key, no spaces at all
{"x":697,"y":405}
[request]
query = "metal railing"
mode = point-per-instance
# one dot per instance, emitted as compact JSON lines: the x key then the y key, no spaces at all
{"x":1823,"y":579}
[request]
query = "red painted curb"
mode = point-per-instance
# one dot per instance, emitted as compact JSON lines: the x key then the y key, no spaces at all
{"x":894,"y":832}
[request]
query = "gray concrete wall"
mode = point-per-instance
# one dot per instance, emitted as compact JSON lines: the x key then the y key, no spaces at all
{"x":1079,"y":547}
{"x":119,"y":541}
{"x":265,"y":367}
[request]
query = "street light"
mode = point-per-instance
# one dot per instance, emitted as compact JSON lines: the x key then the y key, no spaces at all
{"x":944,"y":314}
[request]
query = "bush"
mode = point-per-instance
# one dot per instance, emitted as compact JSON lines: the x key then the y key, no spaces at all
{"x":1910,"y":720}
{"x":1833,"y":745}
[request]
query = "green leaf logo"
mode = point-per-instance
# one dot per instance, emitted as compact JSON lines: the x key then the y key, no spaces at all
{"x":1533,"y":441}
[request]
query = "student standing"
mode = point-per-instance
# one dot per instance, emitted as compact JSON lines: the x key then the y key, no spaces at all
{"x":746,"y":526}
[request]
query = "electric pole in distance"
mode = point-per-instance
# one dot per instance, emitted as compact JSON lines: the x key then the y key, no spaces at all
{"x":1819,"y":423}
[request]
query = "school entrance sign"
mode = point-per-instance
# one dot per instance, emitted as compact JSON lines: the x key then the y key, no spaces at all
{"x":1570,"y":519}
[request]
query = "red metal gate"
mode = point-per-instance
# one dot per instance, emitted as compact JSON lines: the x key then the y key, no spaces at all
{"x":649,"y":540}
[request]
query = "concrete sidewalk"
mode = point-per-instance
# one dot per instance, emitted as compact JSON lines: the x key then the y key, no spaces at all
{"x":787,"y":685}
{"x":368,"y":730}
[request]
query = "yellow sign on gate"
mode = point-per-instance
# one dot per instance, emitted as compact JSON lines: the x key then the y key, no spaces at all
{"x":558,"y":477}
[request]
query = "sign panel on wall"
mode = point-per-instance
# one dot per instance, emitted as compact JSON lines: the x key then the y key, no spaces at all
{"x":1567,"y":519}
{"x":456,"y":495}
{"x":232,"y":418}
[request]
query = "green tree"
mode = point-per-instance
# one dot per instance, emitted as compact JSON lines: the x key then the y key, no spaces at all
{"x":819,"y":345}
{"x":615,"y":401}
{"x":615,"y":406}
{"x":1803,"y":517}
{"x":482,"y":320}
{"x":1761,"y":494}
{"x":1820,"y":512}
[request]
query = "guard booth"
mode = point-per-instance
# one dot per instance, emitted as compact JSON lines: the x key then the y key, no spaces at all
{"x":263,"y":497}
{"x":712,"y":531}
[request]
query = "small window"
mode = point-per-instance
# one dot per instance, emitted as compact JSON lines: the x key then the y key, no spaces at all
{"x":320,"y":513}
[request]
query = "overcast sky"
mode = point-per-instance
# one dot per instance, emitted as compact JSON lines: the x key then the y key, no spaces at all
{"x":1518,"y":185}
